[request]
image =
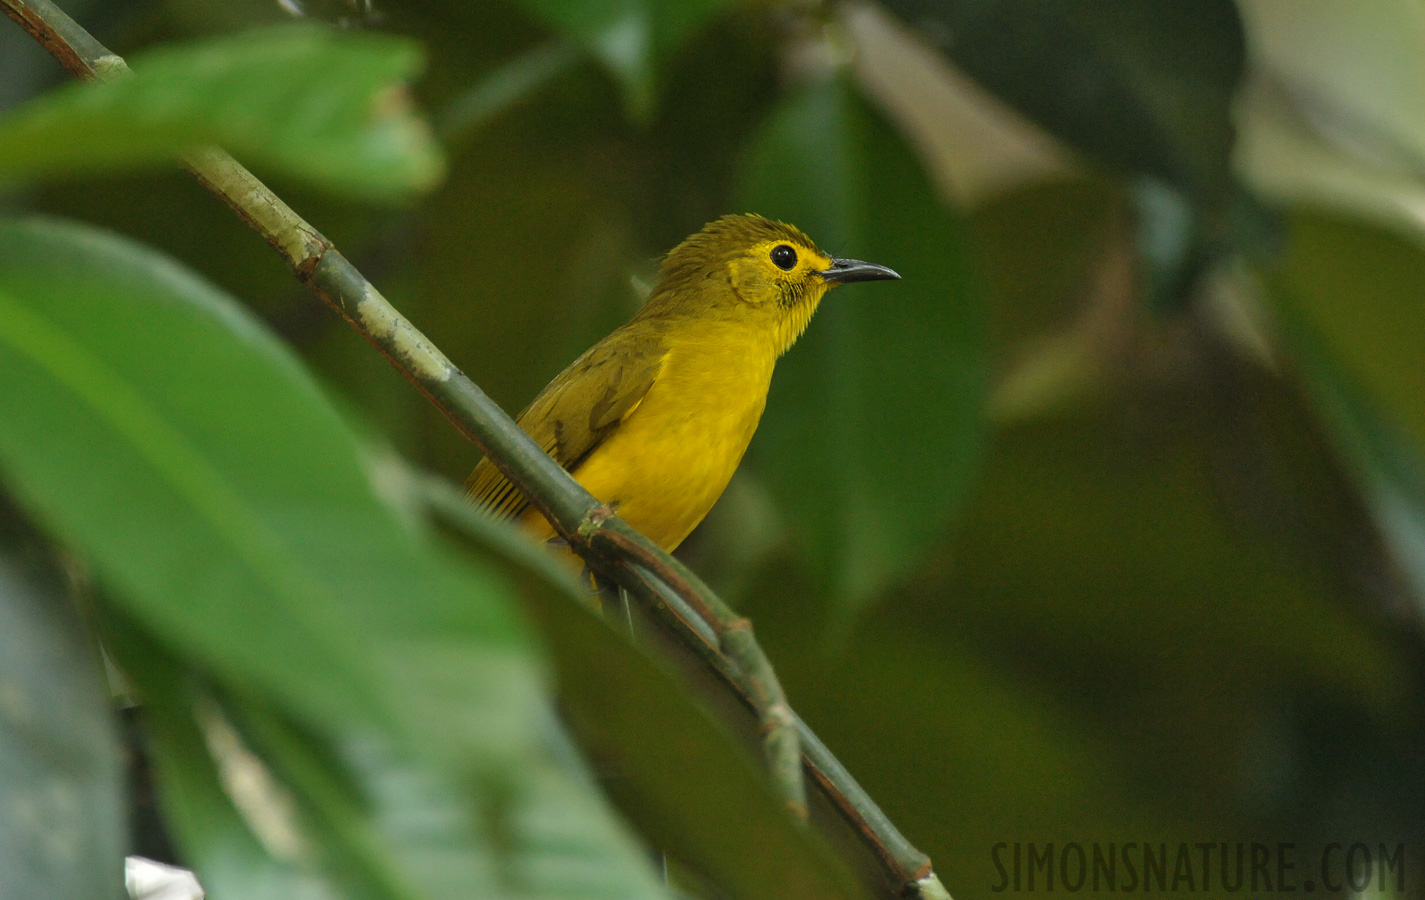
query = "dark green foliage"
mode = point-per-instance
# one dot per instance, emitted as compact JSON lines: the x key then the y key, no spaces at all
{"x":61,"y":781}
{"x":251,"y":93}
{"x":1103,"y":524}
{"x":1144,"y":87}
{"x":873,"y":424}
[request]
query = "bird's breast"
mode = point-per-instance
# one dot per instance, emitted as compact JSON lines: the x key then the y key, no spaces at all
{"x":670,"y":459}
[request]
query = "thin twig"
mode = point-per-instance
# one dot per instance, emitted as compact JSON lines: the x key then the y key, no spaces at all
{"x":650,"y":576}
{"x":906,"y":866}
{"x":608,"y":543}
{"x":76,"y":49}
{"x":613,"y":536}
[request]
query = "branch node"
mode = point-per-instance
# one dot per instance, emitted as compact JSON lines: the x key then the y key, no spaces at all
{"x":110,"y":66}
{"x":307,"y":265}
{"x":928,"y":887}
{"x":594,"y":520}
{"x":779,"y":715}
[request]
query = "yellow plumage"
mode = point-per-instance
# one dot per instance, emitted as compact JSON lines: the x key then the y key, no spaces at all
{"x":654,"y":419}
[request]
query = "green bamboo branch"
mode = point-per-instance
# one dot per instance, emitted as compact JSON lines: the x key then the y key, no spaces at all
{"x":613,"y":548}
{"x":909,"y":868}
{"x":615,"y":539}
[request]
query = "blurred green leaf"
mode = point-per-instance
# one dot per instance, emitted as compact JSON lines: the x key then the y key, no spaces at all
{"x":63,"y":829}
{"x":1383,"y":458}
{"x":1355,"y":71}
{"x":636,"y":720}
{"x":1358,"y":288}
{"x":1099,"y":539}
{"x":560,"y":840}
{"x":358,"y":818}
{"x":1285,"y":157}
{"x":159,"y":430}
{"x":321,"y":105}
{"x":724,"y":822}
{"x":215,"y":838}
{"x":410,"y":831}
{"x":1348,"y":295}
{"x":142,"y":408}
{"x":1145,"y":87}
{"x":1106,"y":645}
{"x":1336,"y":114}
{"x":873,"y":424}
{"x":632,"y":38}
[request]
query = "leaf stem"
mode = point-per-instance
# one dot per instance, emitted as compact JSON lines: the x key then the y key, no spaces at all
{"x":606,"y":542}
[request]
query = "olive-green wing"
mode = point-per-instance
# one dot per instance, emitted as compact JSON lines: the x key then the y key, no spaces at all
{"x":577,"y":410}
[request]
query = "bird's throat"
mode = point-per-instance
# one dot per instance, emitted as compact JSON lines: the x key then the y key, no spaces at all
{"x":792,"y":322}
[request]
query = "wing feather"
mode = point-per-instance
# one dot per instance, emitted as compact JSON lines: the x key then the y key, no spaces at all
{"x":581,"y":407}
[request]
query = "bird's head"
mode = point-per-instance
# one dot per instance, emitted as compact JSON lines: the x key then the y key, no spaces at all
{"x":752,"y":268}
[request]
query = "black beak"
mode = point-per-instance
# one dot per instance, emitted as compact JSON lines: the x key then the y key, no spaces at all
{"x":843,"y":271}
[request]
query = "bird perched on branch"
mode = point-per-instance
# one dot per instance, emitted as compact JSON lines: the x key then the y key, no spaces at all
{"x":654,"y":419}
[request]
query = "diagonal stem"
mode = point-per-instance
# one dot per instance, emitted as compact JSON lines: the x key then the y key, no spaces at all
{"x":705,"y":623}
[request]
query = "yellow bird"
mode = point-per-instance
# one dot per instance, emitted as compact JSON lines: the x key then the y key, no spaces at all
{"x":654,"y":419}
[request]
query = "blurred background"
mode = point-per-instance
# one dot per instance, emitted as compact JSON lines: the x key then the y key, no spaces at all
{"x":1107,"y":523}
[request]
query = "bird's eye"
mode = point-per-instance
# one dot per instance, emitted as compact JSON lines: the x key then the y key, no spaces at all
{"x":784,"y":257}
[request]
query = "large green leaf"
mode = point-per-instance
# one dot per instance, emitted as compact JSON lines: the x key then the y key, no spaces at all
{"x":873,"y":424}
{"x":140,"y":410}
{"x":630,"y":37}
{"x":158,"y":430}
{"x":637,"y":721}
{"x":62,"y":817}
{"x":1145,"y":87}
{"x":321,"y":105}
{"x":724,"y":822}
{"x":310,"y":820}
{"x":198,"y":807}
